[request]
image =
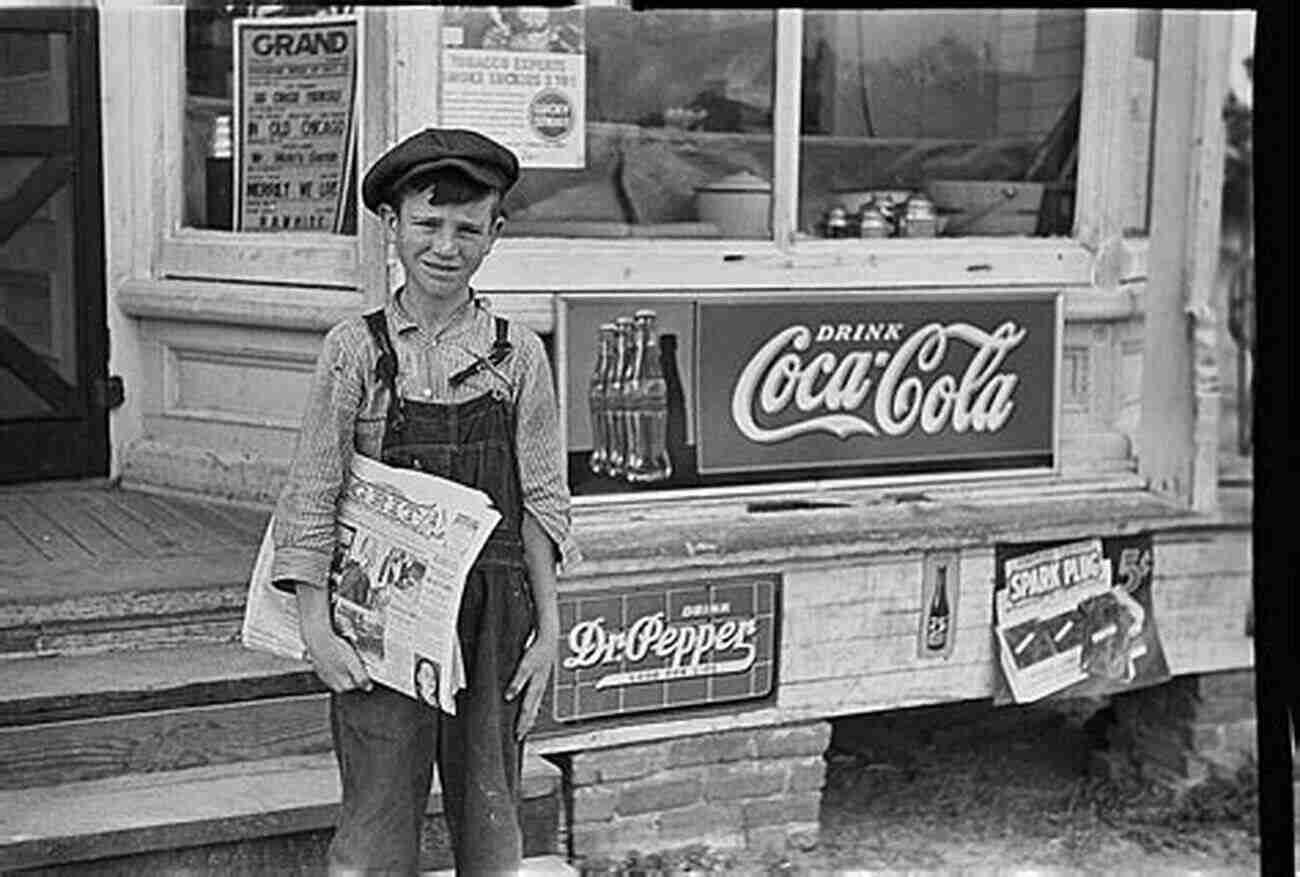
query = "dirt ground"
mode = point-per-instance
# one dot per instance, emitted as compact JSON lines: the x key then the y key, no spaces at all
{"x":949,"y":792}
{"x":1024,"y":798}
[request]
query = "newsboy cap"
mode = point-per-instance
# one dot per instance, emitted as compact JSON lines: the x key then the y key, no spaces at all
{"x":479,"y":157}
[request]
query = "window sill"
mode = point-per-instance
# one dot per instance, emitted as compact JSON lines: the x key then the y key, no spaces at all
{"x":301,"y":308}
{"x":555,"y":264}
{"x":847,"y":524}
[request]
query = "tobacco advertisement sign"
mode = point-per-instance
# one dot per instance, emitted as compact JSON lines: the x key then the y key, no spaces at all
{"x":295,"y":99}
{"x":917,"y":378}
{"x":517,"y":74}
{"x":1075,"y":619}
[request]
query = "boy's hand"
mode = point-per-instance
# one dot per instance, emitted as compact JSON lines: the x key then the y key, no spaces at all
{"x":336,"y":663}
{"x":531,"y":676}
{"x":332,"y":657}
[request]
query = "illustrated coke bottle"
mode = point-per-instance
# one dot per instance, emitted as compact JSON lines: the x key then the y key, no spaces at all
{"x":599,"y":460}
{"x":646,"y":394}
{"x":676,"y":427}
{"x":619,"y":369}
{"x":937,"y":616}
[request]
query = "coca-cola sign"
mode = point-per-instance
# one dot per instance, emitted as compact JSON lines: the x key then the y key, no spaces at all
{"x":652,"y":648}
{"x":878,"y":379}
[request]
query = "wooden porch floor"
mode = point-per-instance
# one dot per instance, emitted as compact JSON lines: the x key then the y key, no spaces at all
{"x":72,"y":539}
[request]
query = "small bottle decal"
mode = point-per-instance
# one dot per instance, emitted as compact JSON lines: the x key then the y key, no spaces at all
{"x":937,"y":616}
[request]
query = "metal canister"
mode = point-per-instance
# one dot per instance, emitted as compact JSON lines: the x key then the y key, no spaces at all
{"x":873,"y":224}
{"x":920,"y":220}
{"x":836,"y":222}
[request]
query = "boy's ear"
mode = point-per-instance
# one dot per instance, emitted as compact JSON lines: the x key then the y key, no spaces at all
{"x":388,"y":215}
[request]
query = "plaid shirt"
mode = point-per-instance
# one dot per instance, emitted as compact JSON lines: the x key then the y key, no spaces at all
{"x":346,"y":410}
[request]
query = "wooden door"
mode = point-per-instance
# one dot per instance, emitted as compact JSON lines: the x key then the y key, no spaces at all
{"x":54,"y":393}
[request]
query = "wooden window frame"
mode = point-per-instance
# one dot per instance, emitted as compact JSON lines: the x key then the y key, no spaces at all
{"x":171,"y":257}
{"x":397,"y":69}
{"x":526,"y":271}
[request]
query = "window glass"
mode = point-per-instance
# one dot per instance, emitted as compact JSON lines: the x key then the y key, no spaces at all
{"x":973,"y":115}
{"x":33,"y":78}
{"x":317,"y":158}
{"x":629,"y":123}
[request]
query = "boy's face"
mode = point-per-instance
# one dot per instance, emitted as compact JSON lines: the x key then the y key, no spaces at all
{"x":441,"y":246}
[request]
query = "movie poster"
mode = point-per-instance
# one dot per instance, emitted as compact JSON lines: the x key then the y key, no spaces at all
{"x":518,"y":75}
{"x":1075,"y":619}
{"x":295,"y":100}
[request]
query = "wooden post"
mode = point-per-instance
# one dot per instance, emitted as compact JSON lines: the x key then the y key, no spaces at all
{"x":1178,"y":452}
{"x":785,"y":126}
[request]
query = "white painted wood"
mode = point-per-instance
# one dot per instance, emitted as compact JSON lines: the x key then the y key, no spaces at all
{"x":416,"y":56}
{"x":158,"y":107}
{"x":1178,"y":426}
{"x":1103,"y":132}
{"x":267,"y":306}
{"x":869,"y":657}
{"x":235,"y":385}
{"x":534,"y":265}
{"x":785,"y":127}
{"x":1219,"y":553}
{"x":896,"y":689}
{"x":1081,"y":304}
{"x":856,"y":656}
{"x":886,"y":582}
{"x":377,"y":75}
{"x":297,"y":258}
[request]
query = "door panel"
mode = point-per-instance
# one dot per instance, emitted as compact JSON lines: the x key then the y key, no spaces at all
{"x":53,"y":350}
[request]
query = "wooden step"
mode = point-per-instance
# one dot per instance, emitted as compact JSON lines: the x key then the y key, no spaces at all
{"x":65,"y":687}
{"x":77,"y":718}
{"x":163,"y":740}
{"x":272,"y":815}
{"x":152,"y":610}
{"x":92,"y":570}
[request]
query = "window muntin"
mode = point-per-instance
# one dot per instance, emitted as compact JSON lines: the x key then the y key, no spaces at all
{"x":977,"y":110}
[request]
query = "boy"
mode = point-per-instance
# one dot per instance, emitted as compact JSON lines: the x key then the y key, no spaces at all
{"x":435,"y":382}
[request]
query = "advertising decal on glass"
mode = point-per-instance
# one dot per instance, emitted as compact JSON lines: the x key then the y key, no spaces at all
{"x":623,"y":390}
{"x":853,"y":381}
{"x":1075,"y":619}
{"x":295,"y":99}
{"x":517,"y":74}
{"x":939,"y":593}
{"x":648,"y":648}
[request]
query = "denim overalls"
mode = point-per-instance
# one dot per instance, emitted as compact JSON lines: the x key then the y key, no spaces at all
{"x":386,"y":742}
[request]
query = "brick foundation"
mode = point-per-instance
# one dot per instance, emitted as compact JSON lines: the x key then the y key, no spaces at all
{"x":754,"y":789}
{"x":1187,"y":730}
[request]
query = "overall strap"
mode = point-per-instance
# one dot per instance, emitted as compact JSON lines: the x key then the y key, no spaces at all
{"x":501,"y":348}
{"x":386,"y":367}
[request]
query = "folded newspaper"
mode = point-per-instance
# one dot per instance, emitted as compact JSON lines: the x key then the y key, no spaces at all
{"x":405,"y":543}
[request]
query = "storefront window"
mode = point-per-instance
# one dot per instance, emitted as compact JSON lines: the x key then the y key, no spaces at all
{"x":284,"y":161}
{"x":628,"y":123}
{"x":974,"y":115}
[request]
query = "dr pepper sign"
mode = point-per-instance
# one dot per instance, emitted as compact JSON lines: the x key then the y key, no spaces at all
{"x":963,"y":378}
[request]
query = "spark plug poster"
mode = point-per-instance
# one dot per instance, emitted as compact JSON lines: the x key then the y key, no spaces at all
{"x":295,"y":99}
{"x":960,"y":380}
{"x":517,"y":74}
{"x":1075,"y":619}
